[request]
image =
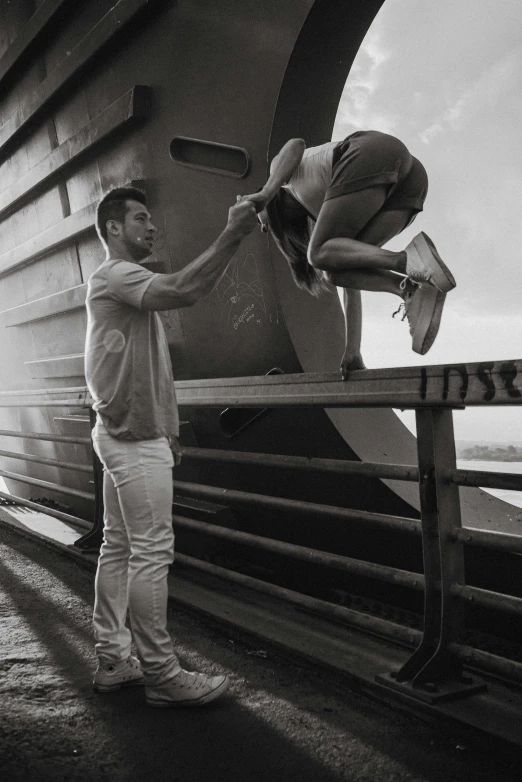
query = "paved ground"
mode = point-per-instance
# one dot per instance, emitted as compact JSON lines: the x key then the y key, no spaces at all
{"x":280,"y":721}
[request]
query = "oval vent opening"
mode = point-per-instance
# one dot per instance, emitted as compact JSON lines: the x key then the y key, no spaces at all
{"x":210,"y":156}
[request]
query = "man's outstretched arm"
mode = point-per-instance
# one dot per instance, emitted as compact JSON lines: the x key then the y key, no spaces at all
{"x":186,"y":287}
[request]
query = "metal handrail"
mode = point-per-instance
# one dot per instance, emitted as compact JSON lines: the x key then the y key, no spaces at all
{"x":54,"y":438}
{"x":450,"y":386}
{"x":345,"y":564}
{"x":500,"y":541}
{"x":382,"y":628}
{"x":297,"y":506}
{"x":433,"y":392}
{"x":56,"y":487}
{"x":400,"y":472}
{"x":485,"y":479}
{"x":27,"y":457}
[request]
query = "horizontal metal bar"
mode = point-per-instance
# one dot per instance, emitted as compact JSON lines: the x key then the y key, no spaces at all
{"x":46,"y":397}
{"x":43,"y":243}
{"x":54,"y":438}
{"x":29,"y":33}
{"x":486,"y":599}
{"x":43,"y":403}
{"x":54,"y":304}
{"x":80,"y":390}
{"x":26,"y":457}
{"x":125,"y":111}
{"x":488,"y":383}
{"x":14,"y":476}
{"x":414,"y":386}
{"x":485,"y":661}
{"x":491,"y":663}
{"x":57,"y":514}
{"x":500,"y":541}
{"x":369,"y":624}
{"x":452,"y":385}
{"x":400,"y":472}
{"x":485,"y":479}
{"x":297,"y":506}
{"x":71,"y":66}
{"x":305,"y":554}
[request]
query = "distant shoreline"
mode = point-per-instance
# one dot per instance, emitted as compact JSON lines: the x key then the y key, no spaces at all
{"x":489,"y":458}
{"x":490,"y":453}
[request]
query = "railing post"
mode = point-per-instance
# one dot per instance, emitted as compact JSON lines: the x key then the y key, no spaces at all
{"x":431,"y":673}
{"x":92,"y":540}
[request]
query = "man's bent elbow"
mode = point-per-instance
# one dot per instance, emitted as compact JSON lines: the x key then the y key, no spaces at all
{"x":190,"y":298}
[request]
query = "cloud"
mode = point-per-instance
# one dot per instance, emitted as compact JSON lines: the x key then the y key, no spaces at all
{"x":485,"y":93}
{"x":356,"y":107}
{"x":456,"y":102}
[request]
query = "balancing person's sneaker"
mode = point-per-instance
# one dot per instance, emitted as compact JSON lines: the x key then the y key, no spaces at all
{"x":422,"y":306}
{"x":424,"y":264}
{"x":126,"y":673}
{"x":187,"y":689}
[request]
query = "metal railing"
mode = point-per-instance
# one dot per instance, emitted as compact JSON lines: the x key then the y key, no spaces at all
{"x":435,"y":669}
{"x":70,"y":397}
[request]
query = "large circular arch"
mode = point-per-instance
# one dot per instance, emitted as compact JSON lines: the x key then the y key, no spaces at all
{"x":307,"y":105}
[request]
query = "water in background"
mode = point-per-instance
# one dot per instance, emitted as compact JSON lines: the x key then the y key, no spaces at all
{"x":513,"y":497}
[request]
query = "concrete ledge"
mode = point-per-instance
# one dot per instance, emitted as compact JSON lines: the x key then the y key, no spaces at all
{"x":69,"y":68}
{"x":46,"y":307}
{"x":59,"y":366}
{"x":127,"y":110}
{"x":31,"y":31}
{"x":60,"y":233}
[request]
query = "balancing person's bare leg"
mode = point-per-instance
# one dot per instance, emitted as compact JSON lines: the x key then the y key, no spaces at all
{"x":359,"y":263}
{"x":380,"y":229}
{"x":353,"y":259}
{"x":336,"y":244}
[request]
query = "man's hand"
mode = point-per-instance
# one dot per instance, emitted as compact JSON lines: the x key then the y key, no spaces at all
{"x":242,"y":218}
{"x":176,"y":450}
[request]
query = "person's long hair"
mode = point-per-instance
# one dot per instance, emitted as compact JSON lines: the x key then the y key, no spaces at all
{"x":291,"y":228}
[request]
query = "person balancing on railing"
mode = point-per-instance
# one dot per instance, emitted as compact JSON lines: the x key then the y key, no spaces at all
{"x":331,"y":208}
{"x":129,"y":375}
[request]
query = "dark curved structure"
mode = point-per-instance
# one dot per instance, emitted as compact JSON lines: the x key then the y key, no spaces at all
{"x":191,"y":100}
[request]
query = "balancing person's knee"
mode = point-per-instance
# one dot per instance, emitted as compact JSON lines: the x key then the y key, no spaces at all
{"x":317,"y":255}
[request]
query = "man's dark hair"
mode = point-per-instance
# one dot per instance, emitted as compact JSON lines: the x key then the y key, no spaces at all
{"x":113,"y":206}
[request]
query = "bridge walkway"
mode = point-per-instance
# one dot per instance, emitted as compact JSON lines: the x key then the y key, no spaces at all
{"x":281,"y":720}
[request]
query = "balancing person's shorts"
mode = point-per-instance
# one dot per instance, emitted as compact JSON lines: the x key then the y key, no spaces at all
{"x":368,"y":158}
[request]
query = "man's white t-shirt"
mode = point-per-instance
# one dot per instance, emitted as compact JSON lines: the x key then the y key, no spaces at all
{"x":127,"y":362}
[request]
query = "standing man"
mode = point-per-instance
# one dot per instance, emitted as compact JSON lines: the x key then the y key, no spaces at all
{"x":129,"y":375}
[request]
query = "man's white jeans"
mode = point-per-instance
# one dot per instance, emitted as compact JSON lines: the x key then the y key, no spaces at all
{"x":137,"y":549}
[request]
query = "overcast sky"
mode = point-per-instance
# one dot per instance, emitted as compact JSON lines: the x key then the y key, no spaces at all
{"x":446,"y":77}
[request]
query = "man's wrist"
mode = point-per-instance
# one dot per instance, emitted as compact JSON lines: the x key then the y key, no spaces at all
{"x":233,"y":235}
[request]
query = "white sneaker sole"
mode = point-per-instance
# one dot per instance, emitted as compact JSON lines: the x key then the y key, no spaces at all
{"x":172,"y":704}
{"x":113,"y":687}
{"x":426,"y":252}
{"x":429,"y":319}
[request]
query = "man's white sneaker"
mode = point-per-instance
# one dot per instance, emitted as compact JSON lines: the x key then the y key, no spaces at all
{"x":423,"y":308}
{"x":187,"y":689}
{"x":424,"y":264}
{"x":111,"y":677}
